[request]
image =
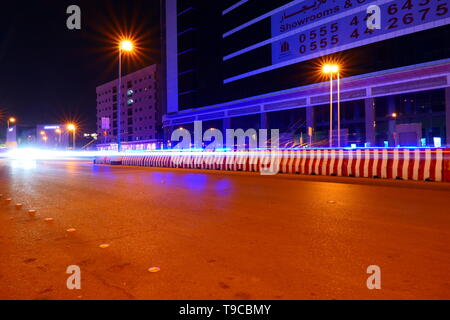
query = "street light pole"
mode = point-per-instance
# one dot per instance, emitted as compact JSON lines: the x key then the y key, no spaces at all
{"x":74,"y":138}
{"x":119,"y":106}
{"x":339,"y":107}
{"x":331,"y":109}
{"x":58,"y":131}
{"x":11,"y":120}
{"x":330,"y":69}
{"x":73,"y":128}
{"x":125,"y":45}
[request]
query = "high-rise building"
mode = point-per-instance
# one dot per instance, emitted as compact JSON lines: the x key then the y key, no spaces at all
{"x":140,"y":110}
{"x":258,"y":64}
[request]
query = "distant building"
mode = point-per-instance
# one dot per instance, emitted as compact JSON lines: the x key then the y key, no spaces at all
{"x":26,"y":135}
{"x":52,"y":136}
{"x":141,"y":118}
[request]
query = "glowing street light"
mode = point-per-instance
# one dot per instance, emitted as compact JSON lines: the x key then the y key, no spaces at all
{"x":73,"y":128}
{"x":124,"y":46}
{"x":329,"y":68}
{"x":332,"y":69}
{"x":11,"y":120}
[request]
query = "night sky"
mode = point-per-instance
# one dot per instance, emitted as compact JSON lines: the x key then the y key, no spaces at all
{"x":48,"y":74}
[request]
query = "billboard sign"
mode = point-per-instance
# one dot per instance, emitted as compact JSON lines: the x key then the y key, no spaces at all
{"x":314,"y":28}
{"x":105,"y":123}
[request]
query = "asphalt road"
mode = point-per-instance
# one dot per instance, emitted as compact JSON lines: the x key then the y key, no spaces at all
{"x":219,"y":235}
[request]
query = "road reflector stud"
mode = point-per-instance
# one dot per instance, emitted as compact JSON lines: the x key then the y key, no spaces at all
{"x":8,"y":201}
{"x":154,"y":270}
{"x":49,"y":220}
{"x":32,"y":212}
{"x":104,"y":246}
{"x":71,"y":230}
{"x":19,"y":206}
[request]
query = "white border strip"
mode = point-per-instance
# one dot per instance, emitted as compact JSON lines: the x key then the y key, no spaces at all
{"x":361,"y":43}
{"x":234,"y":6}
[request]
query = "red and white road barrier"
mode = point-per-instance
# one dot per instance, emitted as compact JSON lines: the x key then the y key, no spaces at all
{"x":405,"y":164}
{"x":446,"y":166}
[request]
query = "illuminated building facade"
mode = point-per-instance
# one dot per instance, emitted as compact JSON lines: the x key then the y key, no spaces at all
{"x":141,"y":113}
{"x":257,"y":64}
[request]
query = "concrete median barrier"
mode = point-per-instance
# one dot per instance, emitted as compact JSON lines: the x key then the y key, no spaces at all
{"x":399,"y":163}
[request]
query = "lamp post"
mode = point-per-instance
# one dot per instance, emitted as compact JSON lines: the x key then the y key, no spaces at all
{"x":59,"y":132}
{"x":11,"y":120}
{"x":334,"y":69}
{"x":339,"y":106}
{"x":73,"y":128}
{"x":125,"y":46}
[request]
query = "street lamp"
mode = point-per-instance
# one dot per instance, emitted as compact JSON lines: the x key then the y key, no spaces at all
{"x":334,"y":69}
{"x":11,"y":120}
{"x":59,"y":132}
{"x":124,"y":46}
{"x":73,"y":128}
